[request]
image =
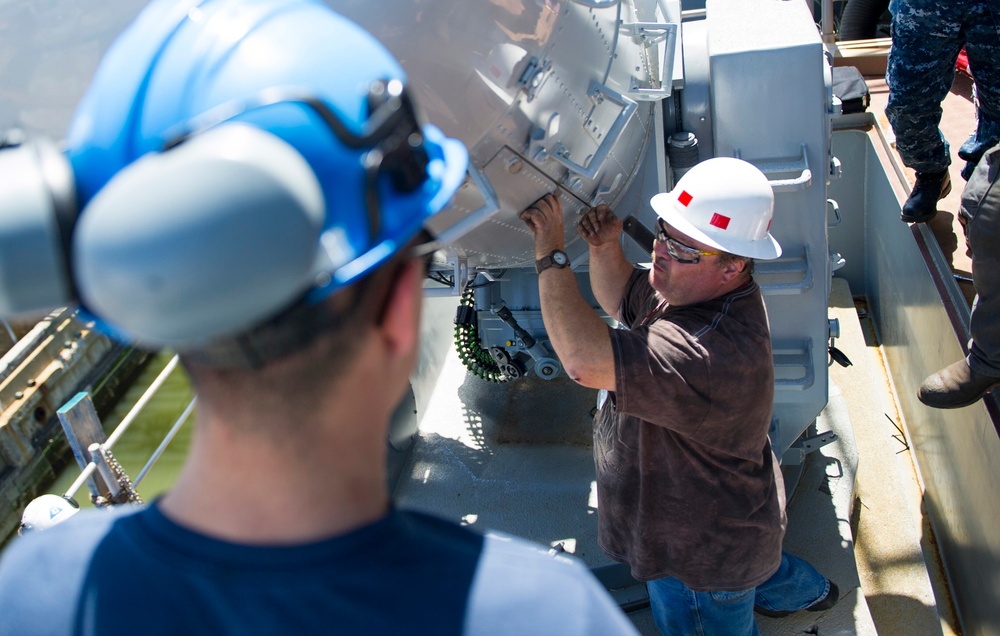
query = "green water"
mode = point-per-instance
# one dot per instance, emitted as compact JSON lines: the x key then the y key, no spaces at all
{"x":150,"y":426}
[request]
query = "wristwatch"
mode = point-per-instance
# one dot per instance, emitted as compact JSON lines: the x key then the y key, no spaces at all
{"x":557,"y":258}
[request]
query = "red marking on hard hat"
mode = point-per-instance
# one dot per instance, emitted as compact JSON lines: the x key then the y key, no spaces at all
{"x":684,"y":198}
{"x":769,"y":226}
{"x":719,"y":221}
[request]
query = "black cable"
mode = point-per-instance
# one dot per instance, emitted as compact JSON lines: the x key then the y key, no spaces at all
{"x":476,"y":359}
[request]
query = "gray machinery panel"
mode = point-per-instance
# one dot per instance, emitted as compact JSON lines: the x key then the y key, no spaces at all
{"x":771,"y":104}
{"x":569,"y":88}
{"x":501,"y":240}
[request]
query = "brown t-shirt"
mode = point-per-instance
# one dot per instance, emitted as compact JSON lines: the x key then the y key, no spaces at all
{"x":687,"y":484}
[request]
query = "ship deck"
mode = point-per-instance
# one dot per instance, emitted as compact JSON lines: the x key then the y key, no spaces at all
{"x":517,"y":458}
{"x":889,"y":564}
{"x":491,"y":458}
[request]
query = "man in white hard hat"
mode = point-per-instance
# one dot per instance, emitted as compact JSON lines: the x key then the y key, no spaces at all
{"x":691,"y":495}
{"x":247,"y":182}
{"x":46,"y":511}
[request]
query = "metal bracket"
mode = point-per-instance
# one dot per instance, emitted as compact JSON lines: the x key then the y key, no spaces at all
{"x":833,"y":205}
{"x":533,"y":76}
{"x":599,"y":93}
{"x":836,"y":168}
{"x":98,"y":456}
{"x":509,"y":365}
{"x":792,"y":356}
{"x":475,"y":218}
{"x":649,"y":32}
{"x":460,"y":272}
{"x":836,"y":261}
{"x":786,"y":265}
{"x":796,"y":453}
{"x":652,"y":33}
{"x":777,"y":166}
{"x":836,"y":106}
{"x":605,"y":189}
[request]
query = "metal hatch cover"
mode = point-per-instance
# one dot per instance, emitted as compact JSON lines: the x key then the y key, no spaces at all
{"x":504,"y":240}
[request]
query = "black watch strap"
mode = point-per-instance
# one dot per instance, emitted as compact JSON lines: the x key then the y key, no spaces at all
{"x":557,"y":258}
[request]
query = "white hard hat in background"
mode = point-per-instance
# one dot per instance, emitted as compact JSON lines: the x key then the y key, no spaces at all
{"x":725,"y":203}
{"x":46,"y":511}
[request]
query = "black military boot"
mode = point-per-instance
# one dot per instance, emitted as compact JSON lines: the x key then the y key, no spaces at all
{"x":930,"y":188}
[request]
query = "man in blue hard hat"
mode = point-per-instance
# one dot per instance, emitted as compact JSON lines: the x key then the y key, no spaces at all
{"x":249,"y":186}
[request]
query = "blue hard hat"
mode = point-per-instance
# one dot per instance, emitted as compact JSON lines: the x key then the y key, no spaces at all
{"x":333,"y":172}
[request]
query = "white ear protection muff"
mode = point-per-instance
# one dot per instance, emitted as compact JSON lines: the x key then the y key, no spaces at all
{"x":226,"y":225}
{"x":37,"y":213}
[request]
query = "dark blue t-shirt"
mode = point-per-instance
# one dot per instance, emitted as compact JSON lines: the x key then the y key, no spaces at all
{"x":137,"y":572}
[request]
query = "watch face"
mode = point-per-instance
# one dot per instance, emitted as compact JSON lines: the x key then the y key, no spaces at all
{"x":560,"y":258}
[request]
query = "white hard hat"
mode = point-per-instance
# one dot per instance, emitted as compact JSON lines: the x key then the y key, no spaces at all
{"x":725,"y":203}
{"x":46,"y":511}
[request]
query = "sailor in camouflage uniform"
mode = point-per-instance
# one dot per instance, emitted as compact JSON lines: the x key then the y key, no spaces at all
{"x":927,"y":36}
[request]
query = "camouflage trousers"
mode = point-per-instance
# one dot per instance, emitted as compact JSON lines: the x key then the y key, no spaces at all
{"x":927,"y":36}
{"x":981,"y":209}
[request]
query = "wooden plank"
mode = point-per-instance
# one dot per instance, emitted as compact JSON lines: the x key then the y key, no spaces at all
{"x":869,"y":56}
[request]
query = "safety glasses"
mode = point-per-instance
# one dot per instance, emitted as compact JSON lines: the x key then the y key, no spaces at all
{"x":678,"y":251}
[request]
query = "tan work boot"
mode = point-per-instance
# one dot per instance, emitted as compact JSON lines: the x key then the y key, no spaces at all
{"x":954,"y":386}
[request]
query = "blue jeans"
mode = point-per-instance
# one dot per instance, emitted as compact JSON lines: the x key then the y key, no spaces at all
{"x":677,"y":609}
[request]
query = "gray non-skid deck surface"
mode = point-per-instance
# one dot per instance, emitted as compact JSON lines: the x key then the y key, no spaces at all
{"x":516,"y":458}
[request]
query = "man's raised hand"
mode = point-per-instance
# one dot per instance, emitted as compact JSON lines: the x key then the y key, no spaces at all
{"x":599,"y":226}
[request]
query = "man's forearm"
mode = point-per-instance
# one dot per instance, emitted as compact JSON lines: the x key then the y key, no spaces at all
{"x":578,"y":335}
{"x":609,"y":273}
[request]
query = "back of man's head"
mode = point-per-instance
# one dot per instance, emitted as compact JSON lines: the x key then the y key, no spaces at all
{"x":232,"y":166}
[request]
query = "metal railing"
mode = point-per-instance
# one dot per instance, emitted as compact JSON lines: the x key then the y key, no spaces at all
{"x":99,"y":451}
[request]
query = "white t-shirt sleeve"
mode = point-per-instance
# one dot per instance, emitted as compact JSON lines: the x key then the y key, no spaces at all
{"x":521,"y":588}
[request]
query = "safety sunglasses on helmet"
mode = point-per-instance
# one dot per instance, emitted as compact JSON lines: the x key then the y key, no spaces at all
{"x":678,"y":251}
